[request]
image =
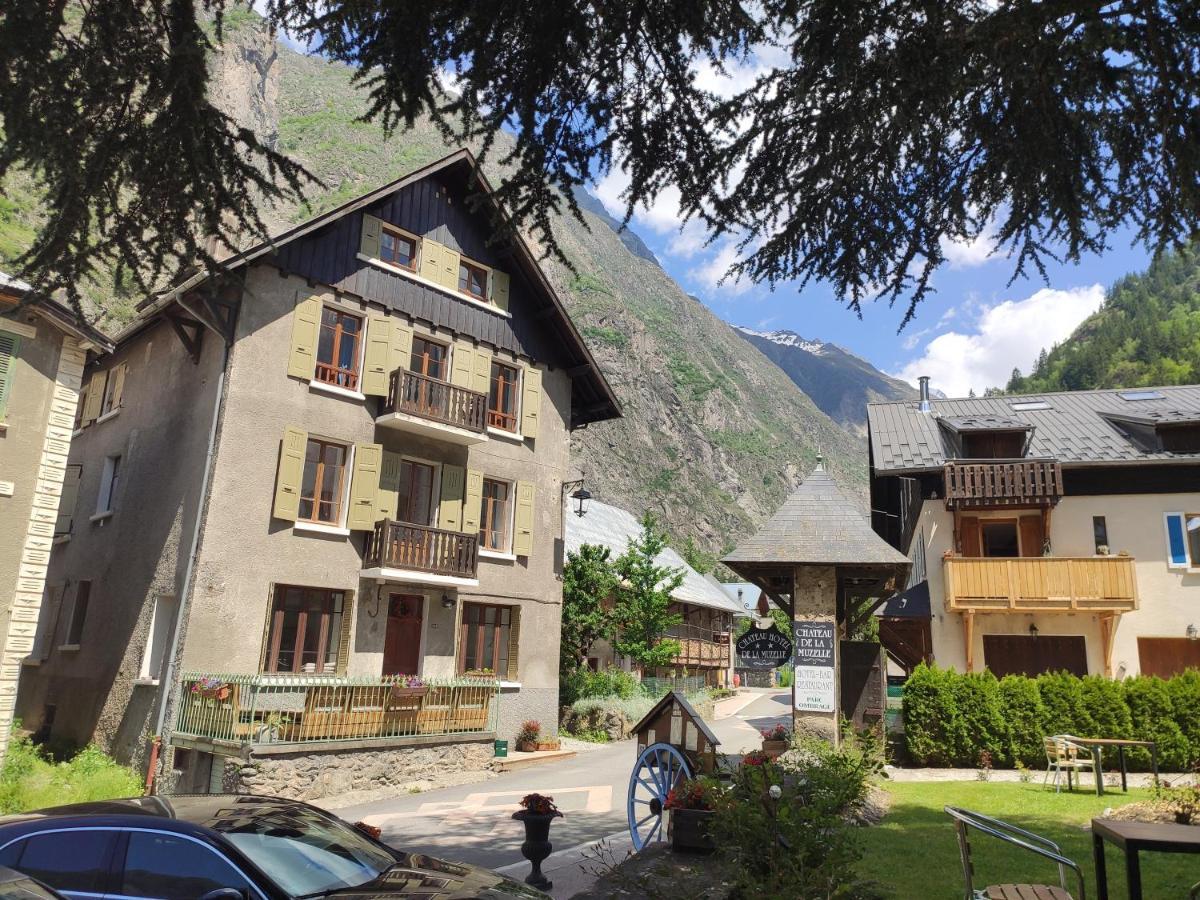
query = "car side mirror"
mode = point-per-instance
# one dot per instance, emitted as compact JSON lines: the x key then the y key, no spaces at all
{"x":224,"y":894}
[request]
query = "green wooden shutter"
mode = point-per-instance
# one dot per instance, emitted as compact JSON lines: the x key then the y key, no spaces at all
{"x":431,"y":260}
{"x":523,"y":532}
{"x":290,"y":476}
{"x":451,"y":259}
{"x":377,"y":356}
{"x":67,"y":500}
{"x":343,"y":659}
{"x":401,"y":348}
{"x":118,"y":391}
{"x":514,"y":646}
{"x":500,"y":286}
{"x":9,"y":345}
{"x":451,"y":501}
{"x":372,"y":231}
{"x":531,"y":401}
{"x":481,"y":371}
{"x":462,"y":361}
{"x":389,"y":485}
{"x":364,"y":487}
{"x":472,"y":502}
{"x":306,"y":329}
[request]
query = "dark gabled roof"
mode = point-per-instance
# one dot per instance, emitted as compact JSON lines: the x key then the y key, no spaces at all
{"x":961,"y":424}
{"x":817,"y":524}
{"x":667,"y":700}
{"x":597,"y":396}
{"x":1074,"y":427}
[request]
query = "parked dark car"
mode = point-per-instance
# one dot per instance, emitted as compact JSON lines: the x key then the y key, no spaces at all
{"x":225,"y":847}
{"x":19,"y":886}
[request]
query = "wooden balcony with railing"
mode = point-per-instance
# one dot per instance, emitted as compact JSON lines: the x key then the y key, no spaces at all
{"x":421,"y":549}
{"x":1093,"y":584}
{"x":976,"y":484}
{"x":422,"y":405}
{"x":700,"y":647}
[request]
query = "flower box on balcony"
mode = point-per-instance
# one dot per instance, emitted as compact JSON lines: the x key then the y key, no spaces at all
{"x":399,"y":691}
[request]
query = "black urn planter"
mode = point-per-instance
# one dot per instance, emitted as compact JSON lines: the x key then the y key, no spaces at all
{"x":689,"y":830}
{"x":537,"y":845}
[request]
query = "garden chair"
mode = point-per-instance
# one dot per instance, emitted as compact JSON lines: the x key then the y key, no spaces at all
{"x":964,"y":820}
{"x":1064,"y":755}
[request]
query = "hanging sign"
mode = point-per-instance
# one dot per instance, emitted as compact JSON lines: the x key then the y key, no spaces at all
{"x":764,"y":648}
{"x":816,"y":684}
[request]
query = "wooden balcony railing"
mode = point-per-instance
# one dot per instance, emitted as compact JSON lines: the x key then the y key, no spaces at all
{"x":435,"y":400}
{"x":1041,"y":584}
{"x":1025,"y":482}
{"x":700,"y":646}
{"x":420,"y":548}
{"x":296,"y":709}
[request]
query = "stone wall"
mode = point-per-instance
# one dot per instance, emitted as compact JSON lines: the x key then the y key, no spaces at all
{"x":310,"y":775}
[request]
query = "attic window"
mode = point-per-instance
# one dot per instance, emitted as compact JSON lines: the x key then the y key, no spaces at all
{"x":1141,"y":395}
{"x":993,"y":445}
{"x":1029,"y":405}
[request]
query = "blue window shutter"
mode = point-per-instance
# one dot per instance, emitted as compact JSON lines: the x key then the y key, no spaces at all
{"x":1177,"y":555}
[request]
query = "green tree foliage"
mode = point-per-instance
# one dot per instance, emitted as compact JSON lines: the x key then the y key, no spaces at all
{"x":1056,"y":124}
{"x":643,"y":608}
{"x":1153,"y":719}
{"x":698,"y":558}
{"x":1023,"y":714}
{"x":589,"y":583}
{"x":1146,"y":333}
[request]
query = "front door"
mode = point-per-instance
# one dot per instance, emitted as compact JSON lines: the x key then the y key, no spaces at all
{"x":402,"y":640}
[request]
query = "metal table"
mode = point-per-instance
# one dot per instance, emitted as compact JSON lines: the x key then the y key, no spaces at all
{"x":1098,"y":744}
{"x":1132,"y":837}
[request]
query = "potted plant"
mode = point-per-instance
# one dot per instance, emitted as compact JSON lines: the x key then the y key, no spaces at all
{"x":480,"y":673}
{"x":271,"y":728}
{"x":536,"y":813}
{"x":409,"y":686}
{"x":775,"y":740}
{"x":546,"y":743}
{"x":692,"y":803}
{"x":528,"y":735}
{"x":212,"y":689}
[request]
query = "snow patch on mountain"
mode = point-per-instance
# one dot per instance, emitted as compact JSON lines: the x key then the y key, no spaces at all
{"x":787,"y":339}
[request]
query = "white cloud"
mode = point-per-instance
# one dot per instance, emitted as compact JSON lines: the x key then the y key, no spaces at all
{"x":968,"y":254}
{"x":1008,"y":334}
{"x":711,"y":272}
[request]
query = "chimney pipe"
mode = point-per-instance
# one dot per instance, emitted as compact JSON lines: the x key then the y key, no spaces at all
{"x":923,"y":381}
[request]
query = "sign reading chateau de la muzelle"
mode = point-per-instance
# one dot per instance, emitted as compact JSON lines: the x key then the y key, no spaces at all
{"x":815,"y":682}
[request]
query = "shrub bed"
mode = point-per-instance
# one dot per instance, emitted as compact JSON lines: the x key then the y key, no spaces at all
{"x":31,"y":780}
{"x":951,"y":718}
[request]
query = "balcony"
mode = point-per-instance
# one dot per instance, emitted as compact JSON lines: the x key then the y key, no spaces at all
{"x":401,"y":551}
{"x":700,"y":646}
{"x":287,"y":710}
{"x":418,"y":404}
{"x":1094,"y":584}
{"x":981,"y":485}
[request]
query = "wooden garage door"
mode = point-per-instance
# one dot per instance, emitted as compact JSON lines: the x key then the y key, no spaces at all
{"x":1165,"y":657}
{"x":1021,"y":654}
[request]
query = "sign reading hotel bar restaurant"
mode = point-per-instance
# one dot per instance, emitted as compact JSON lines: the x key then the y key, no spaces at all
{"x":764,"y":648}
{"x":816,"y":685}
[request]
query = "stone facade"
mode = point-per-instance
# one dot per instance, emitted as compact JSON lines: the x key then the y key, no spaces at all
{"x":329,"y":773}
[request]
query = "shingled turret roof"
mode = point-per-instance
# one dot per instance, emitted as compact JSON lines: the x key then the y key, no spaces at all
{"x":817,"y":524}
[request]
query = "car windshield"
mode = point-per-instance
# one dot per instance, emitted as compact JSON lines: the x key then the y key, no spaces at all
{"x":306,"y":854}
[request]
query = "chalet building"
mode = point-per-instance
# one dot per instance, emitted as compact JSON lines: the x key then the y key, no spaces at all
{"x":1057,"y":531}
{"x":704,"y":635}
{"x":319,"y":506}
{"x":43,"y":348}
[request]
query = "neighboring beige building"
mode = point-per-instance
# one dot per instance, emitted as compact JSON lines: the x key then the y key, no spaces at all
{"x":1054,"y":531}
{"x":43,"y":346}
{"x":340,"y":467}
{"x":705,"y":635}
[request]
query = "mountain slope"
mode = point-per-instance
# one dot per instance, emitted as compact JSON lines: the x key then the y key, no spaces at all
{"x":839,"y":383}
{"x":1147,"y":332}
{"x":713,"y":436}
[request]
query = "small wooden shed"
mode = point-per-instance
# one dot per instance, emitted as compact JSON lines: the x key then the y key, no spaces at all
{"x":673,"y":721}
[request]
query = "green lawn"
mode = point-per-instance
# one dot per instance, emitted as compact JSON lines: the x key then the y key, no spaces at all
{"x":914,"y":850}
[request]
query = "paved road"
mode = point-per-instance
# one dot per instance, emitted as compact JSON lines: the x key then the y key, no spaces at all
{"x":473,"y":823}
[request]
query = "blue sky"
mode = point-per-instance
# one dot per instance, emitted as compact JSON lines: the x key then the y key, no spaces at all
{"x":969,"y":334}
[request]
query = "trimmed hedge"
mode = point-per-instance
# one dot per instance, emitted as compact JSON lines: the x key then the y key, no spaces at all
{"x":950,"y":718}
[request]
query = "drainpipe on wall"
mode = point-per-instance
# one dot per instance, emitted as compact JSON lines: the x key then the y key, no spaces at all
{"x":168,"y":682}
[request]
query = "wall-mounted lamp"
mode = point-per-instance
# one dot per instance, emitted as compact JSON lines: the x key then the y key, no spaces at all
{"x":1033,"y":630}
{"x":1192,"y":633}
{"x":580,"y":495}
{"x":447,"y":601}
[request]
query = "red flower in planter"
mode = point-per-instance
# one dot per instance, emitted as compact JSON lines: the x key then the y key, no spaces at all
{"x":540,"y":805}
{"x":778,"y":733}
{"x":691,"y":794}
{"x":755,"y":758}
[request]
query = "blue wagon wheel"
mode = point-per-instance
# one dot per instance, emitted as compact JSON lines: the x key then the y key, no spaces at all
{"x":659,"y":768}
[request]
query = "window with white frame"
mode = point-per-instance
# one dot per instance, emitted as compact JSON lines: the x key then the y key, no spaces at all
{"x":109,"y":482}
{"x":162,"y":618}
